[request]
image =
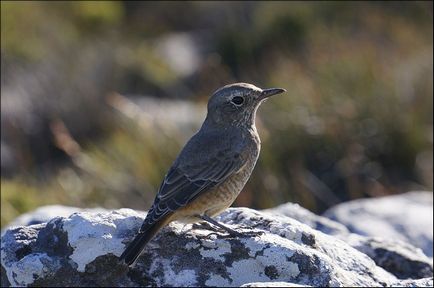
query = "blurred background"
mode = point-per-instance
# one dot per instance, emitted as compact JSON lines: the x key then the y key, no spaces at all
{"x":97,"y":98}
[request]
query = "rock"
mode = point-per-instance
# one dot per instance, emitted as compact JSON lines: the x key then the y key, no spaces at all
{"x":425,"y":282}
{"x":273,"y":284}
{"x":397,"y":257}
{"x":46,"y":213}
{"x":180,"y":52}
{"x":303,"y":215}
{"x":83,"y":250}
{"x":407,"y":217}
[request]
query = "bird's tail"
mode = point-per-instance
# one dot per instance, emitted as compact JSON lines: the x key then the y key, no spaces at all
{"x":132,"y":252}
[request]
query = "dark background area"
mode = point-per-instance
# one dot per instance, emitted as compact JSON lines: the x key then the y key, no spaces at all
{"x":97,"y":98}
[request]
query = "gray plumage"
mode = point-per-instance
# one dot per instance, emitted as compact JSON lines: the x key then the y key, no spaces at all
{"x":213,"y":166}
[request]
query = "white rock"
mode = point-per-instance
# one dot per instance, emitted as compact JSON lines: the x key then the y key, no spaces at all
{"x":407,"y":217}
{"x":83,"y":250}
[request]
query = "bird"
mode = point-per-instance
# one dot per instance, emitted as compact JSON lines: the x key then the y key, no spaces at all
{"x":211,"y":169}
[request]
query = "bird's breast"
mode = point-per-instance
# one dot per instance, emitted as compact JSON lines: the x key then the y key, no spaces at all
{"x":233,"y":185}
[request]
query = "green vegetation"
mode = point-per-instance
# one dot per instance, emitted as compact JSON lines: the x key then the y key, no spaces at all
{"x":356,"y":121}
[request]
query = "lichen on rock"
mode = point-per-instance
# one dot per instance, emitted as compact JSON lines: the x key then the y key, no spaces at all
{"x":82,"y":249}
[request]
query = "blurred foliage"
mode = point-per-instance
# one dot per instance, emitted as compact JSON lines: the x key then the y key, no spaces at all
{"x":356,"y":121}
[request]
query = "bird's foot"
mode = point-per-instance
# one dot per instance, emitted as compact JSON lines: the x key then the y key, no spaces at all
{"x":251,"y":233}
{"x":204,"y":226}
{"x":209,"y":236}
{"x":229,"y":235}
{"x":230,"y":231}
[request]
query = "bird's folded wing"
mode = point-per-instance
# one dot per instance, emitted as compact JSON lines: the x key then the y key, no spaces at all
{"x":183,"y":185}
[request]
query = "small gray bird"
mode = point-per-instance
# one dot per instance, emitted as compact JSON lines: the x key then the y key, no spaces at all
{"x":212,"y":168}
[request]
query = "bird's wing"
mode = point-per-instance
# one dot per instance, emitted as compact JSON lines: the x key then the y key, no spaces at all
{"x":183,"y":183}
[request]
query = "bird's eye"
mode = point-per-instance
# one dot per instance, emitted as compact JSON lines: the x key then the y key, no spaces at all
{"x":237,"y":100}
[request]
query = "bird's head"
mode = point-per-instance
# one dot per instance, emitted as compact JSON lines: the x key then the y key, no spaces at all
{"x":236,"y":104}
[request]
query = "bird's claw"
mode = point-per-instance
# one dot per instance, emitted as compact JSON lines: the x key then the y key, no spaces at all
{"x":252,"y":233}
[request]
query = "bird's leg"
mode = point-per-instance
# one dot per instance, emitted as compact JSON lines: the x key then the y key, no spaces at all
{"x":216,"y":223}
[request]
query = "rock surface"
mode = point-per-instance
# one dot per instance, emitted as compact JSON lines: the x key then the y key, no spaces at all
{"x":46,"y":213}
{"x":397,"y":257}
{"x":85,"y":246}
{"x":407,"y":217}
{"x":303,"y":215}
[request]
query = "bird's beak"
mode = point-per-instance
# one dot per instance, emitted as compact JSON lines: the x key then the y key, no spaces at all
{"x":270,"y":92}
